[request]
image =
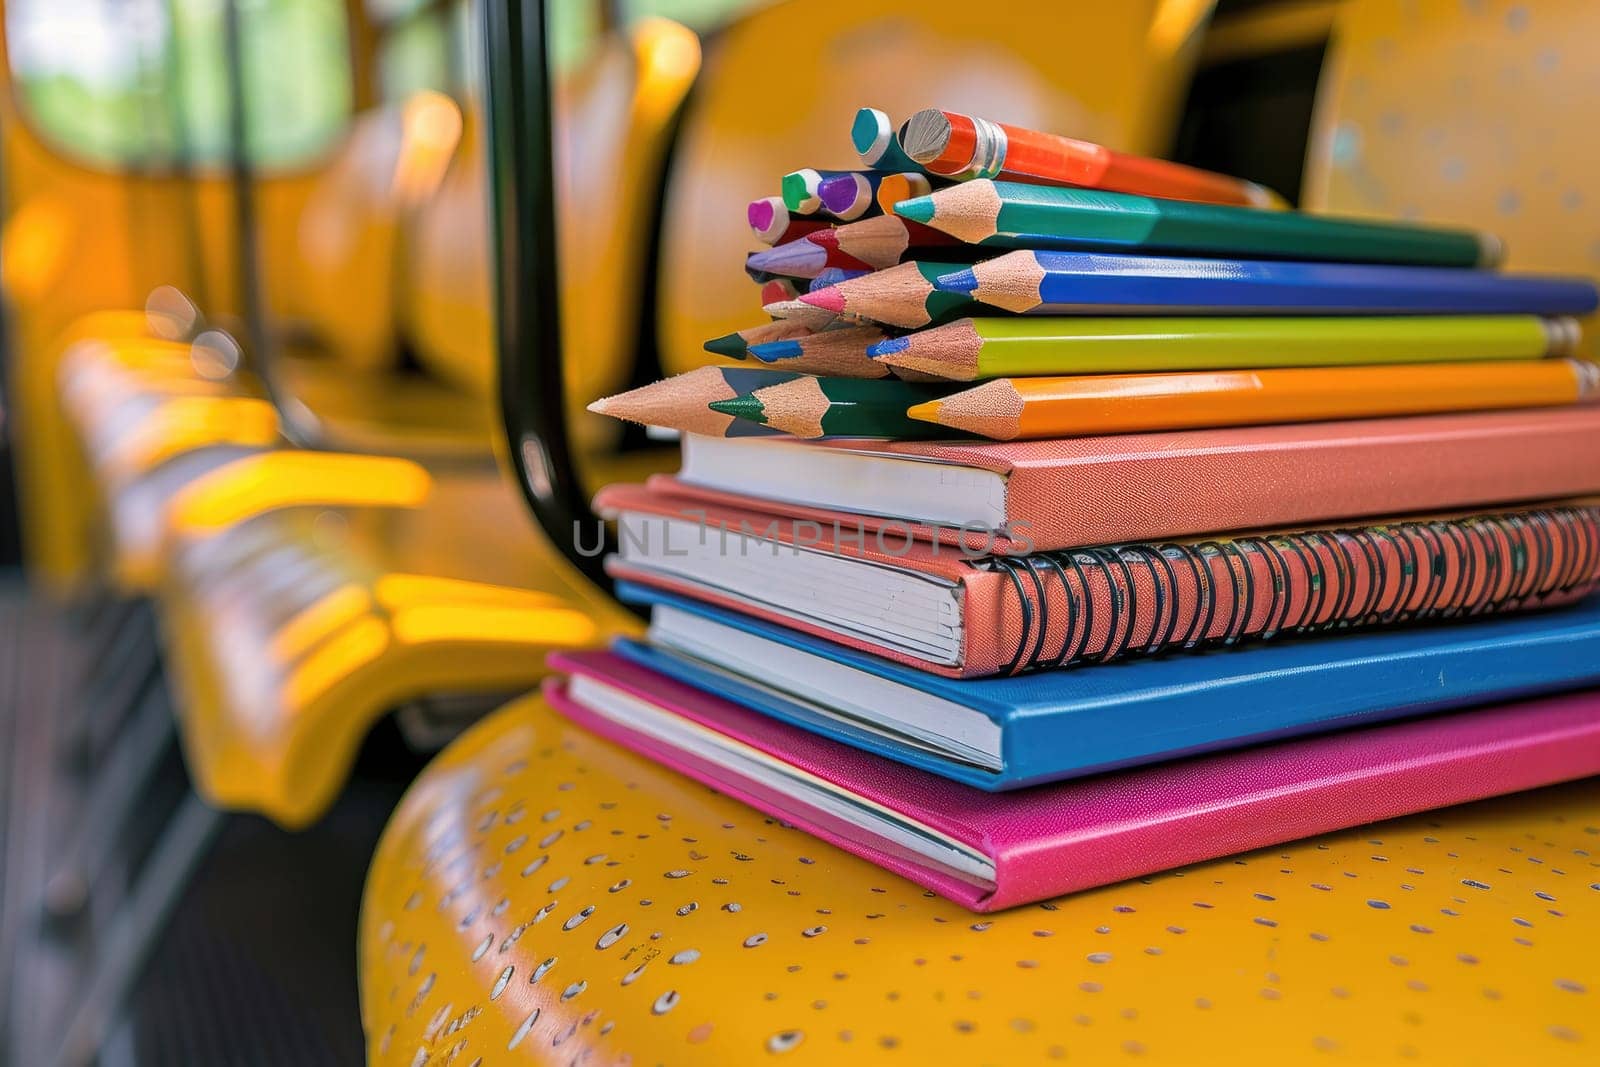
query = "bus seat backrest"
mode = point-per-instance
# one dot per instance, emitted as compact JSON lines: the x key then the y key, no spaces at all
{"x":1478,"y":114}
{"x":614,"y":118}
{"x":346,"y":241}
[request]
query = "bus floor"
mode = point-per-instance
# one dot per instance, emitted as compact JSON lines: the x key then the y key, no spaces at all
{"x":257,"y":963}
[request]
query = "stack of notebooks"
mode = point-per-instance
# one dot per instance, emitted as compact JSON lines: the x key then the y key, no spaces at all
{"x":1080,"y":515}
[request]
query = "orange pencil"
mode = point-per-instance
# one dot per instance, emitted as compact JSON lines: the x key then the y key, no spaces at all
{"x":959,"y":146}
{"x":1010,"y":409}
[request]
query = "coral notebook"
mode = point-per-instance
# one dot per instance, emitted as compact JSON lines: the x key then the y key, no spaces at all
{"x":1147,"y":486}
{"x":988,"y":851}
{"x":934,"y":607}
{"x":1007,"y":733}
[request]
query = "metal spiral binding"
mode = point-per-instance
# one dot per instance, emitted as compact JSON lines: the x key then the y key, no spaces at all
{"x":1500,"y":562}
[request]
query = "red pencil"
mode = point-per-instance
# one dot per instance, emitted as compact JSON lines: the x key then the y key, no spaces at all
{"x":963,"y":147}
{"x":777,"y":290}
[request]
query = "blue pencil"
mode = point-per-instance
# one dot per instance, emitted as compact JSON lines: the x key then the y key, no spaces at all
{"x":1068,"y":283}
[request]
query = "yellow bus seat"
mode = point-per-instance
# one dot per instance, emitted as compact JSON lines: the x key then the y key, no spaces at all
{"x":1113,"y":73}
{"x":615,"y":120}
{"x":542,"y":895}
{"x":1464,"y":113}
{"x":285,"y":648}
{"x":342,"y":294}
{"x":135,"y":404}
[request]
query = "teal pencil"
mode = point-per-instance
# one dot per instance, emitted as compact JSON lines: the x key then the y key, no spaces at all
{"x":681,"y":402}
{"x":877,"y":143}
{"x":1017,"y":215}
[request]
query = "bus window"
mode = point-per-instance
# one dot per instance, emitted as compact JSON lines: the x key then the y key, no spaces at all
{"x":140,"y":83}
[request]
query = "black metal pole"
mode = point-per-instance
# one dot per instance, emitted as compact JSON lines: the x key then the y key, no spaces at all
{"x":520,"y":106}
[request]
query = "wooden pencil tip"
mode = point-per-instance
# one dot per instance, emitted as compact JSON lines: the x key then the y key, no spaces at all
{"x":828,"y":238}
{"x":828,"y":299}
{"x":730,"y":345}
{"x":744,"y":407}
{"x":927,"y":411}
{"x":888,"y":347}
{"x":917,"y":209}
{"x":964,"y":282}
{"x":775,"y":351}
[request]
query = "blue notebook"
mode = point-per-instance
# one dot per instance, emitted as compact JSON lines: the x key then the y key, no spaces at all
{"x":1006,"y":733}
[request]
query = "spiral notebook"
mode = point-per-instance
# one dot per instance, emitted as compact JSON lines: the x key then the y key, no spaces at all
{"x":1044,"y":726}
{"x":987,"y":851}
{"x":965,"y":615}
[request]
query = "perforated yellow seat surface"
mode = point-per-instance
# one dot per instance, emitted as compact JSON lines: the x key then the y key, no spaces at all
{"x":544,"y":896}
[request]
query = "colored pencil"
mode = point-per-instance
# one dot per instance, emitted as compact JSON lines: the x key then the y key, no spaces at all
{"x":904,"y":186}
{"x":884,"y":240}
{"x":1001,"y":346}
{"x":836,"y":407}
{"x":679,"y":403}
{"x":1017,"y":215}
{"x":876,"y":142}
{"x":798,"y":228}
{"x":1009,"y":409}
{"x":801,"y":188}
{"x":777,"y":290}
{"x":771,"y":222}
{"x":831,"y":276}
{"x":736,"y":345}
{"x":1072,"y":283}
{"x":839,"y":353}
{"x":809,"y":315}
{"x":900,"y":296}
{"x":760,"y":277}
{"x":851,"y":196}
{"x":803,"y":259}
{"x":961,"y":146}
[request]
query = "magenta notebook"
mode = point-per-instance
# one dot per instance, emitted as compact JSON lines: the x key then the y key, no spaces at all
{"x":988,"y":851}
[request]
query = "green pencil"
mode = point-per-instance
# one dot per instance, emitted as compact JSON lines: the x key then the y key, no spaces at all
{"x":798,"y":188}
{"x":1016,"y":215}
{"x":837,"y":407}
{"x":1001,"y":347}
{"x":683,"y":401}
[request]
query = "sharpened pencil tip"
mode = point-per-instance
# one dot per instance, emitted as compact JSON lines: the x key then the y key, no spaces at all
{"x":926,"y":412}
{"x":744,"y":407}
{"x":889,"y":347}
{"x":729,"y":344}
{"x":598,"y":407}
{"x":961,"y":281}
{"x":917,"y":209}
{"x":829,"y":299}
{"x":774,"y":351}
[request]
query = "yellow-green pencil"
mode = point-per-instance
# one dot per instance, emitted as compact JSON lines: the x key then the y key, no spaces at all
{"x":1000,"y":347}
